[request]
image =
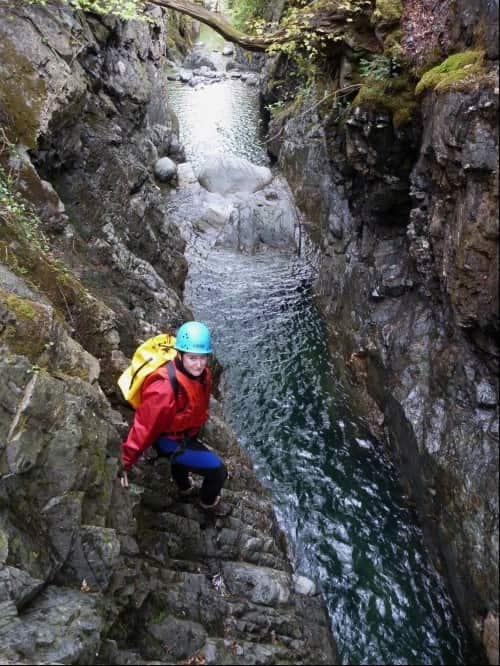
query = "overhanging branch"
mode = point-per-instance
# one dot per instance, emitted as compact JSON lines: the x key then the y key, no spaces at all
{"x":217,"y":22}
{"x":349,"y":26}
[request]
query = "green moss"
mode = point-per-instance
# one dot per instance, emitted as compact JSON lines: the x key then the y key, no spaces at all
{"x":388,"y":11}
{"x":393,"y":95}
{"x":24,"y":331}
{"x":22,"y":93}
{"x":458,"y":69}
{"x":392,"y":45}
{"x":24,"y":249}
{"x":21,"y":306}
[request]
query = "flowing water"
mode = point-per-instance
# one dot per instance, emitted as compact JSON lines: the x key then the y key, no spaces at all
{"x":335,"y":493}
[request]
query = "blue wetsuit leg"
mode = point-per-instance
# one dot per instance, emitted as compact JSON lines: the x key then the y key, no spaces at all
{"x":197,"y":459}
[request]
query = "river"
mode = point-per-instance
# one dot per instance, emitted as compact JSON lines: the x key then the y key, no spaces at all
{"x":336,"y":494}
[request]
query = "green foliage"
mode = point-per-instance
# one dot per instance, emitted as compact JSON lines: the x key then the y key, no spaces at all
{"x":275,"y":108}
{"x":457,"y":69}
{"x":310,"y":31}
{"x":25,"y":249}
{"x":125,"y":9}
{"x":14,"y":210}
{"x":247,"y":14}
{"x":380,"y":67}
{"x":388,"y":11}
{"x":284,"y":108}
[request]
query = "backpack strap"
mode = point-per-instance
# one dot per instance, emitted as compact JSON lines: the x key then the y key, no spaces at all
{"x":174,"y":382}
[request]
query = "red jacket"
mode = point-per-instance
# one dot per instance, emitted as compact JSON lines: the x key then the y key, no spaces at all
{"x":161,"y":413}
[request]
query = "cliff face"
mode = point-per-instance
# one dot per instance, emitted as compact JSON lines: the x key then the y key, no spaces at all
{"x":401,"y":198}
{"x":89,"y":264}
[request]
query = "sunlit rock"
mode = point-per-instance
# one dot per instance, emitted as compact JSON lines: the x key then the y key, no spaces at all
{"x":227,"y":174}
{"x":165,"y":169}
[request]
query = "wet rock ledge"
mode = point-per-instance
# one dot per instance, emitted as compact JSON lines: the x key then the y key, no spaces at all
{"x":90,"y":264}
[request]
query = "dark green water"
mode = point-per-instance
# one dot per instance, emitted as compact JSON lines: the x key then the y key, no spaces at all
{"x":335,"y":493}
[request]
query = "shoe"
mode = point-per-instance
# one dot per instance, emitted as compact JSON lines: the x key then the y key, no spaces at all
{"x":218,"y":509}
{"x":193,"y":490}
{"x":189,"y":492}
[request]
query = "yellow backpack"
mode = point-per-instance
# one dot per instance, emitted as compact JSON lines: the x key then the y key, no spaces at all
{"x":147,"y":357}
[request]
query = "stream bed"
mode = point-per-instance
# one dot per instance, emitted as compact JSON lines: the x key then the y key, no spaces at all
{"x":337,"y":496}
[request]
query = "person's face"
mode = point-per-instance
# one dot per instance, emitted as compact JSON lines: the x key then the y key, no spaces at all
{"x":195,"y":363}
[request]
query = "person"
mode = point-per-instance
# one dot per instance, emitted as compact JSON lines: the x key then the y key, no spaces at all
{"x":171,"y":413}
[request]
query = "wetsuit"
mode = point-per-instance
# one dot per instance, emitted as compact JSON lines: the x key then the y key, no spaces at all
{"x":171,"y":420}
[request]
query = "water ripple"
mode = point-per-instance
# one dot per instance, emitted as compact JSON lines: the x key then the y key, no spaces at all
{"x":335,"y":493}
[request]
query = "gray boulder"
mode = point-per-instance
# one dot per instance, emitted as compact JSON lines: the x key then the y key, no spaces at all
{"x":185,"y":76}
{"x":198,"y":58}
{"x":165,"y":169}
{"x":228,"y":174}
{"x":260,"y":220}
{"x":252,"y":80}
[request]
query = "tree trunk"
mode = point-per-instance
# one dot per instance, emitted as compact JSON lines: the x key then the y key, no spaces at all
{"x":217,"y":22}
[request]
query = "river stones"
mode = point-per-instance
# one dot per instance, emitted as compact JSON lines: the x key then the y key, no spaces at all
{"x":228,"y":174}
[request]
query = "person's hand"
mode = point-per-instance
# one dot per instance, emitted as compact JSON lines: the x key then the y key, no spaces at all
{"x":123,"y":479}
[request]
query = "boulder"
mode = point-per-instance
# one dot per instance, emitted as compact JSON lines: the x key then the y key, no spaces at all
{"x":304,"y":585}
{"x":185,"y":76}
{"x":228,"y":174}
{"x":198,"y":58}
{"x":252,"y":80}
{"x":262,"y":585}
{"x":258,"y":221}
{"x":165,"y":169}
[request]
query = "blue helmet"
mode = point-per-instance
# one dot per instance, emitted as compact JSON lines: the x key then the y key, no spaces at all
{"x":193,"y":337}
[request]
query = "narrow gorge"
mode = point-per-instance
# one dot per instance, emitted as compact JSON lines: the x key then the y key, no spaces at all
{"x":333,"y":219}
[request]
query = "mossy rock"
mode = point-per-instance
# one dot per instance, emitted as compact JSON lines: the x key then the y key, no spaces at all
{"x":457,"y":71}
{"x":25,"y":251}
{"x":22,"y":95}
{"x":282,"y":112}
{"x":25,"y":331}
{"x":387,"y":11}
{"x":394,"y":95}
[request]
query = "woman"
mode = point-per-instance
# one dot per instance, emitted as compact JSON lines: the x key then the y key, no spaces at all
{"x":173,"y":408}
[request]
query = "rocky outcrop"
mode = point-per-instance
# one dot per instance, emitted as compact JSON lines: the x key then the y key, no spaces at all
{"x":403,"y":210}
{"x":98,"y":125}
{"x":93,"y":574}
{"x":237,"y":218}
{"x":91,"y":262}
